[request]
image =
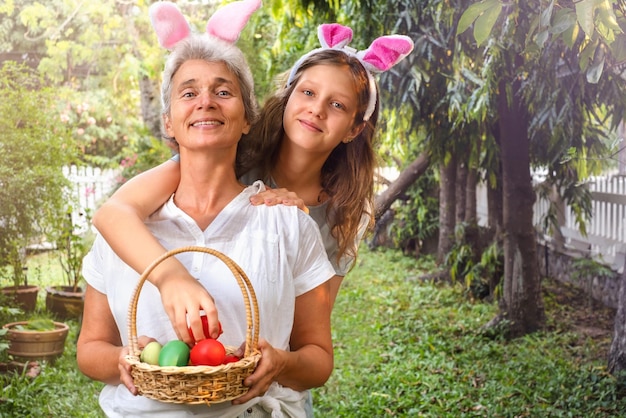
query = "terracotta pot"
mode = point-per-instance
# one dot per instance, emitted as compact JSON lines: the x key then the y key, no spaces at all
{"x":23,"y":297}
{"x":36,"y":345}
{"x":64,"y":302}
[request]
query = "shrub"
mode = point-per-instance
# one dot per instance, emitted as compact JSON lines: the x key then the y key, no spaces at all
{"x":34,"y":149}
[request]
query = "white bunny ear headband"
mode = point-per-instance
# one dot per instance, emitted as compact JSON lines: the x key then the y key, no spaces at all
{"x":226,"y":23}
{"x":382,"y":54}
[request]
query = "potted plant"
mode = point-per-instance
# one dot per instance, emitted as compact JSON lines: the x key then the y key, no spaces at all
{"x":39,"y":339}
{"x":66,"y":301}
{"x":34,"y":151}
{"x":8,"y":364}
{"x":19,"y":293}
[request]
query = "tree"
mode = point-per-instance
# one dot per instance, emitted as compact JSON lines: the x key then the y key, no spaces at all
{"x":530,"y":86}
{"x":88,"y":53}
{"x":32,"y":184}
{"x":543,"y":74}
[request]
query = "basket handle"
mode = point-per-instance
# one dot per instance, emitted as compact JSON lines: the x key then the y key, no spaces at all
{"x":249,"y":298}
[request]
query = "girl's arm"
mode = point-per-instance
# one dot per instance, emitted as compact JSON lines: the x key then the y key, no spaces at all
{"x":120,"y":220}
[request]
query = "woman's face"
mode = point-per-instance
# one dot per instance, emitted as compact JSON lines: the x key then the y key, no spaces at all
{"x":320,"y":112}
{"x":207,"y":107}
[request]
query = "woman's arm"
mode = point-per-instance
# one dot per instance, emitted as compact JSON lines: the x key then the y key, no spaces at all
{"x":99,"y":352}
{"x":335,"y":284}
{"x":99,"y":345}
{"x":120,"y":221}
{"x":309,"y":363}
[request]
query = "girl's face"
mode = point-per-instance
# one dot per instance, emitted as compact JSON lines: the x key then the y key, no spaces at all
{"x":207,"y":107}
{"x":320,"y":112}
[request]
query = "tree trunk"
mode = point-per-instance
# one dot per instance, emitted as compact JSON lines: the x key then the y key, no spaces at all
{"x":494,"y":193}
{"x":149,"y":87}
{"x":447,"y":208}
{"x":621,"y":155}
{"x":407,"y":177}
{"x":472,"y":234}
{"x":617,"y":353}
{"x":461,"y":189}
{"x":150,"y":105}
{"x":521,"y":303}
{"x":470,"y":196}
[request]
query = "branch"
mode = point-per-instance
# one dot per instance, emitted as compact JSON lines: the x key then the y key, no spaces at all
{"x":59,"y":29}
{"x":407,"y":177}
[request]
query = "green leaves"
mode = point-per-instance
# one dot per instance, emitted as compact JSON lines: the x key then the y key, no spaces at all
{"x":606,"y":21}
{"x":483,"y":15}
{"x":35,"y":149}
{"x":37,"y":324}
{"x":584,"y":15}
{"x":596,"y":19}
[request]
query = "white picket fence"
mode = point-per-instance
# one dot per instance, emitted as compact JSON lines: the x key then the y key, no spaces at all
{"x":605,"y":240}
{"x":606,"y":230}
{"x":90,"y":185}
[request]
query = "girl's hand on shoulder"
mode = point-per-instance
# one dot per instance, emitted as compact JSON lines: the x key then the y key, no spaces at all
{"x":270,"y":365}
{"x":272,"y":197}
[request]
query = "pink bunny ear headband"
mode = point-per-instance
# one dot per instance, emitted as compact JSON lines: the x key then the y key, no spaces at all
{"x":382,"y":54}
{"x":226,"y":23}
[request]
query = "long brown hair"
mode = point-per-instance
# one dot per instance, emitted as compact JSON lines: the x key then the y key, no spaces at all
{"x":347,"y":176}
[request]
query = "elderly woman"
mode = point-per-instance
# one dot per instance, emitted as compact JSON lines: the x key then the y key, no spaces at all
{"x":209,"y":103}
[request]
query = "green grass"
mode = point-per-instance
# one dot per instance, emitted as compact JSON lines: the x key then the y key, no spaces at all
{"x":403,"y":348}
{"x":60,"y":389}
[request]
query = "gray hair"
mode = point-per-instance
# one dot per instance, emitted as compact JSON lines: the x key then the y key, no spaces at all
{"x":210,"y":49}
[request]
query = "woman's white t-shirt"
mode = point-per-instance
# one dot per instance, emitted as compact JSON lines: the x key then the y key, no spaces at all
{"x":278,"y":247}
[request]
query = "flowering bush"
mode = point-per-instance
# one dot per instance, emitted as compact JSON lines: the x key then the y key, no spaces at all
{"x":109,"y":136}
{"x":141,"y":155}
{"x":95,"y":125}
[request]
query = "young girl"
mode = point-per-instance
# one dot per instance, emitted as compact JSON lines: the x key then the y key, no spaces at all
{"x":314,"y":138}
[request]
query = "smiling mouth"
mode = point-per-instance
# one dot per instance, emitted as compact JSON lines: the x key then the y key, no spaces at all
{"x":207,"y":123}
{"x":309,"y":125}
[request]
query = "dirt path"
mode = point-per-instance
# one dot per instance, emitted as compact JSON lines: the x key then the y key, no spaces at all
{"x":568,"y":308}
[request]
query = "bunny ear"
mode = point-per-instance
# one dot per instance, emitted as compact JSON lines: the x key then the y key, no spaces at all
{"x":228,"y":21}
{"x":385,"y":52}
{"x":334,"y":35}
{"x":169,"y":23}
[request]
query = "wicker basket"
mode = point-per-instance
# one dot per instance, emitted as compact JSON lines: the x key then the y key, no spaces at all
{"x":196,"y":384}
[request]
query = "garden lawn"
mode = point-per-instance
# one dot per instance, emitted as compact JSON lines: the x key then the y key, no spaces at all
{"x":406,"y":348}
{"x":409,"y":348}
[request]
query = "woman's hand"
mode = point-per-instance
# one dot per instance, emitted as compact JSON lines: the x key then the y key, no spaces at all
{"x":272,"y":197}
{"x":125,"y":377}
{"x":267,"y":370}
